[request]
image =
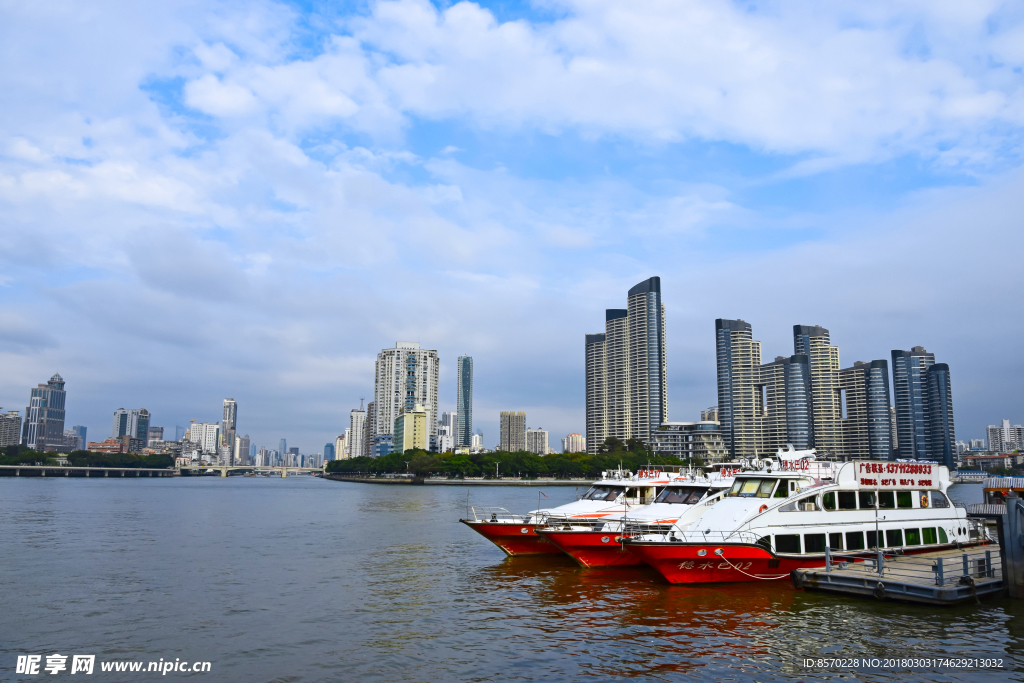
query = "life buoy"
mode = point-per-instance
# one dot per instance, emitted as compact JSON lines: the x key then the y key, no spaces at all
{"x":762,"y":509}
{"x":924,"y":500}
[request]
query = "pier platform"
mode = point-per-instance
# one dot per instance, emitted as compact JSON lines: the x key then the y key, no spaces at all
{"x":945,"y":577}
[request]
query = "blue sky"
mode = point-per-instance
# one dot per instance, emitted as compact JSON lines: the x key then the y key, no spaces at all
{"x":250,"y":199}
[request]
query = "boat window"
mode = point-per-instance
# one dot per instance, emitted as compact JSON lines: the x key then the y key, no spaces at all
{"x":886,"y":500}
{"x":808,"y":504}
{"x":928,"y":536}
{"x":782,"y":491}
{"x":814,"y":543}
{"x":905,"y":499}
{"x":867,"y":499}
{"x":736,"y":485}
{"x":686,"y":495}
{"x":765,"y":542}
{"x":872,"y":539}
{"x":766,"y":488}
{"x":942,"y":536}
{"x":835,"y":541}
{"x":750,"y":487}
{"x":847,"y":500}
{"x":913,"y":536}
{"x":603,"y":493}
{"x":938,"y":499}
{"x":828,"y":500}
{"x":855,"y":540}
{"x":787,"y":543}
{"x":894,"y":538}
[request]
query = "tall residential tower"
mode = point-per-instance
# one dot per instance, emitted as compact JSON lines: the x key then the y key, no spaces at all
{"x":464,"y":403}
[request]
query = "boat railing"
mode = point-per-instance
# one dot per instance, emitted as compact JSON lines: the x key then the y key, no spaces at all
{"x":672,"y":533}
{"x":962,"y":569}
{"x":496,"y":515}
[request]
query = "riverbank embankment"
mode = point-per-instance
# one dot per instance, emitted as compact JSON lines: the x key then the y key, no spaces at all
{"x":459,"y":482}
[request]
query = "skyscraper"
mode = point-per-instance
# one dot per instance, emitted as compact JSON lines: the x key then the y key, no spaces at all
{"x":81,"y":431}
{"x":626,"y":369}
{"x":43,"y":429}
{"x":908,"y":371}
{"x":939,"y":415}
{"x":282,"y":446}
{"x":513,"y":431}
{"x":405,"y":376}
{"x":328,"y":451}
{"x":133,"y":423}
{"x":464,"y":402}
{"x":738,"y":358}
{"x":357,"y":437}
{"x":823,"y":359}
{"x":867,"y":425}
{"x":229,"y":422}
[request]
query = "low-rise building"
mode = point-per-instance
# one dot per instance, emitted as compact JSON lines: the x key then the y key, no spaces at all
{"x":989,"y":461}
{"x":690,"y":440}
{"x":109,"y":445}
{"x":411,"y":430}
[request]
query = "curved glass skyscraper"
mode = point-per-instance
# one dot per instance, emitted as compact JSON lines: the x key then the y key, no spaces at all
{"x":464,"y":403}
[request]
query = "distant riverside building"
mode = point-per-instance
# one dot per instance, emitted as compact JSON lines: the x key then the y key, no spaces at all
{"x":445,"y":435}
{"x":404,"y":377}
{"x":939,"y":411}
{"x":709,"y":415}
{"x":867,"y":425}
{"x":340,"y":451}
{"x":356,"y":436}
{"x":412,"y":429}
{"x":626,"y":369}
{"x":241,"y":454}
{"x":691,"y":440}
{"x":814,"y":342}
{"x":464,"y":402}
{"x":10,"y":428}
{"x":229,"y":422}
{"x":979,"y":444}
{"x":537,"y":441}
{"x":328,"y":451}
{"x":134,"y":423}
{"x":71,"y":441}
{"x":513,"y":431}
{"x":478,"y":442}
{"x":370,"y":429}
{"x":156,"y":433}
{"x":574,"y":443}
{"x":110,"y":445}
{"x":43,"y":429}
{"x":81,"y":431}
{"x":1002,"y":438}
{"x":206,"y":435}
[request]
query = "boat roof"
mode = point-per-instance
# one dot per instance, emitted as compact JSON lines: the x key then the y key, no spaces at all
{"x":1003,"y":484}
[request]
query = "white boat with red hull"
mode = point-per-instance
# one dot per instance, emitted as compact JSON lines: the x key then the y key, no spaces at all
{"x":771,"y":522}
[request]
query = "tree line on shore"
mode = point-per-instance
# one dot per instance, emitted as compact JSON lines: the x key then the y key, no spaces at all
{"x":631,"y":455}
{"x":21,"y":455}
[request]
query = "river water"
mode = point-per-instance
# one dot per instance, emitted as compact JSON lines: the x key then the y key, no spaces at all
{"x":304,"y":579}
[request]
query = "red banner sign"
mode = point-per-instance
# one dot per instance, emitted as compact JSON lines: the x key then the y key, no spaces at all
{"x":919,"y":476}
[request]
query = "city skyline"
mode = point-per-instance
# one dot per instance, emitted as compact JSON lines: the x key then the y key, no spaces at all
{"x":254,"y":219}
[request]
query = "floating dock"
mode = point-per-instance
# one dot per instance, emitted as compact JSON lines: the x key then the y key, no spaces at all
{"x":945,"y":577}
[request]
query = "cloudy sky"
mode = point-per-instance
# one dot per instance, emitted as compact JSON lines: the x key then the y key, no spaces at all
{"x":250,"y":199}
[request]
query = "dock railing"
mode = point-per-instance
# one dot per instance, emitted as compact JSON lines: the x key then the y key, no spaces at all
{"x":964,"y":569}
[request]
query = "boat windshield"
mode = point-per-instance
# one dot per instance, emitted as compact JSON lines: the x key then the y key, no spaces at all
{"x":686,"y":495}
{"x":602,"y":493}
{"x":753,"y":488}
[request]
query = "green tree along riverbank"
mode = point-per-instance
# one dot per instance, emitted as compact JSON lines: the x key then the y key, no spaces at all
{"x":521,"y":463}
{"x":20,"y":455}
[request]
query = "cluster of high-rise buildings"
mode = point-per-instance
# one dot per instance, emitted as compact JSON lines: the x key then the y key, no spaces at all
{"x":404,"y":411}
{"x":805,"y":399}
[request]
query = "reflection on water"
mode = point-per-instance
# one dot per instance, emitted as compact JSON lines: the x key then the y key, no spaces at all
{"x":308,"y":580}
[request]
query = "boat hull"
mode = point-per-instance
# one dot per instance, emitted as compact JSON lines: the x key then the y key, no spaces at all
{"x":592,"y":548}
{"x":514,"y":539}
{"x":684,"y":563}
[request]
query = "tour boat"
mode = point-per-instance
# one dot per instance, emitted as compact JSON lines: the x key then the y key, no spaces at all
{"x":775,"y":520}
{"x":598,"y":542}
{"x":616,"y":492}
